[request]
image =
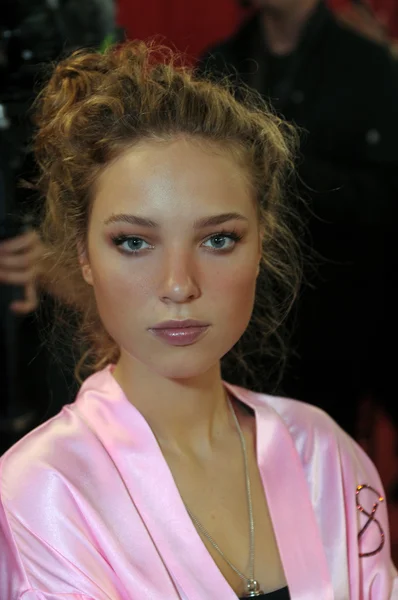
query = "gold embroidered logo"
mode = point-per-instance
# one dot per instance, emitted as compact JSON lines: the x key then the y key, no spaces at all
{"x":371,"y":518}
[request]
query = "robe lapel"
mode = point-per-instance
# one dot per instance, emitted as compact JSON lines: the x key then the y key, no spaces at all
{"x":155,"y":496}
{"x":159,"y":503}
{"x":286,"y":489}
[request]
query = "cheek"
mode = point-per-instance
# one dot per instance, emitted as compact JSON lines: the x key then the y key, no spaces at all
{"x":235,"y":290}
{"x":121,"y":288}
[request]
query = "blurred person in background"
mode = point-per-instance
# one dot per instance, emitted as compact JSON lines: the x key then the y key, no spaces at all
{"x":31,"y":35}
{"x":341,"y":89}
{"x":34,"y":33}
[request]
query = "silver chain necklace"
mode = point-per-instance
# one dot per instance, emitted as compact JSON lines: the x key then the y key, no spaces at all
{"x":252,"y":586}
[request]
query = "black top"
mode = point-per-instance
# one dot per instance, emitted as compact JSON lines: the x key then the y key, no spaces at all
{"x":282,"y":594}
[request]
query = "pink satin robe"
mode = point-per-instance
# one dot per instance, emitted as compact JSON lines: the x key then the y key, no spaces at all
{"x":90,"y":511}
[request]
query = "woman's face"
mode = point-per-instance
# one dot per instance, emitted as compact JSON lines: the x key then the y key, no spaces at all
{"x":173,"y":235}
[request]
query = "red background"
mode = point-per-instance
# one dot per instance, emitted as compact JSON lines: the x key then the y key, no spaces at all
{"x":192,"y":25}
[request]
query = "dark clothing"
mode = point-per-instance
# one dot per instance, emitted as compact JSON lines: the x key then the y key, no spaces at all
{"x":282,"y":594}
{"x":342,"y":90}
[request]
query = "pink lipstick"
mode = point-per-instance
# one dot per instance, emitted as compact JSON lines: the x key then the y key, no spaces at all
{"x":180,"y":333}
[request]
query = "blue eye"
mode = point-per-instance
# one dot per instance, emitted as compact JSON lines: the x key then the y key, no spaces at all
{"x":218,"y":242}
{"x":130,"y":244}
{"x":222,"y":241}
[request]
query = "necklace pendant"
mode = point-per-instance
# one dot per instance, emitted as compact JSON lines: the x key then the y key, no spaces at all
{"x":253,"y":589}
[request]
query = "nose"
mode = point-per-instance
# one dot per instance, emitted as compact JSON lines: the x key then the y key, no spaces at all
{"x":179,"y":284}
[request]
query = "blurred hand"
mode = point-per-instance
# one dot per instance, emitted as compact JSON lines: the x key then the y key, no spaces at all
{"x":360,"y":18}
{"x":19,"y":265}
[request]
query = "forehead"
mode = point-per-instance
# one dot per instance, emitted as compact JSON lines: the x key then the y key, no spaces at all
{"x":182,"y":174}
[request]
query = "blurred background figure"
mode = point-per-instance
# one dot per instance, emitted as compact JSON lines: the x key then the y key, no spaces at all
{"x":32,"y":33}
{"x":341,"y":88}
{"x":376,"y":19}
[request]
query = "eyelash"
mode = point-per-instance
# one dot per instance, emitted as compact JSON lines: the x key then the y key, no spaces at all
{"x":118,"y":240}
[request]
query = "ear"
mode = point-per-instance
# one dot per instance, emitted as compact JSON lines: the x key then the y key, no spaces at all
{"x":84,"y":263}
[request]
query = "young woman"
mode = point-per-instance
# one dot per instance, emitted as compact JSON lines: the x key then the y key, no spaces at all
{"x":167,"y":227}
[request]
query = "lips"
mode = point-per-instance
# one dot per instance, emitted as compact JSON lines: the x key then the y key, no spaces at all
{"x":180,"y":324}
{"x":180,"y":332}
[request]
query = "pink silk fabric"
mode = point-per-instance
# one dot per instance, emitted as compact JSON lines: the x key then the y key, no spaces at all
{"x":90,"y":510}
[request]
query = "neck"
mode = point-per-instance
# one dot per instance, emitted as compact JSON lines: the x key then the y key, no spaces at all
{"x":283,"y":27}
{"x":186,"y":416}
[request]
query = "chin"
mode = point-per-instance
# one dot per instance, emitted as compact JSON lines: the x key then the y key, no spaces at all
{"x":179,"y":363}
{"x":190,"y":362}
{"x":185,"y":370}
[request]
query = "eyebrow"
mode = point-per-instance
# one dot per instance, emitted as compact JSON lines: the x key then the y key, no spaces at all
{"x":132,"y":219}
{"x":199,"y":224}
